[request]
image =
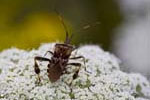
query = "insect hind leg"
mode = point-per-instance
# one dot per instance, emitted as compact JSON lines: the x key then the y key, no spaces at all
{"x":77,"y":71}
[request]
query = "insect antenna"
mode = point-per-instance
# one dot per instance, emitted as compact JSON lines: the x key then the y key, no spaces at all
{"x":68,"y":39}
{"x":86,"y":27}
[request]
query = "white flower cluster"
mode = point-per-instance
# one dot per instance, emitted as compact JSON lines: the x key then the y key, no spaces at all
{"x":99,"y":79}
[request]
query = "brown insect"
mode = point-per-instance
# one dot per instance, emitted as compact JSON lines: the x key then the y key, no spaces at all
{"x":60,"y":59}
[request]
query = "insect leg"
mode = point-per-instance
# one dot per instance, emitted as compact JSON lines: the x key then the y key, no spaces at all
{"x":75,"y":75}
{"x":79,"y":57}
{"x":49,"y":52}
{"x":77,"y":71}
{"x":74,"y":64}
{"x":36,"y":67}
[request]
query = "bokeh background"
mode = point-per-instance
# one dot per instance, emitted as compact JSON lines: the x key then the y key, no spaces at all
{"x":119,"y":26}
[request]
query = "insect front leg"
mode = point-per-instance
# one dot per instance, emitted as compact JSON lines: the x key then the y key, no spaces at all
{"x":49,"y":52}
{"x":36,"y":66}
{"x":79,"y":57}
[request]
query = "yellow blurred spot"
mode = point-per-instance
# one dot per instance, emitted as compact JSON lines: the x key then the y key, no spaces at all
{"x":36,"y":29}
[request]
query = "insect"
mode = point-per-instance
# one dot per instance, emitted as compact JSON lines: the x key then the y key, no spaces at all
{"x":57,"y":64}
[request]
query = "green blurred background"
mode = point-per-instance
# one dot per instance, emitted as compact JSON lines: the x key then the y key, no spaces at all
{"x":28,"y":23}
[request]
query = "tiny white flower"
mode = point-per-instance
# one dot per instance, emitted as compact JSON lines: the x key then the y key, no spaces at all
{"x":99,"y":79}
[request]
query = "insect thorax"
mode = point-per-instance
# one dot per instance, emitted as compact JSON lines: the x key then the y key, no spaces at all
{"x":63,"y":50}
